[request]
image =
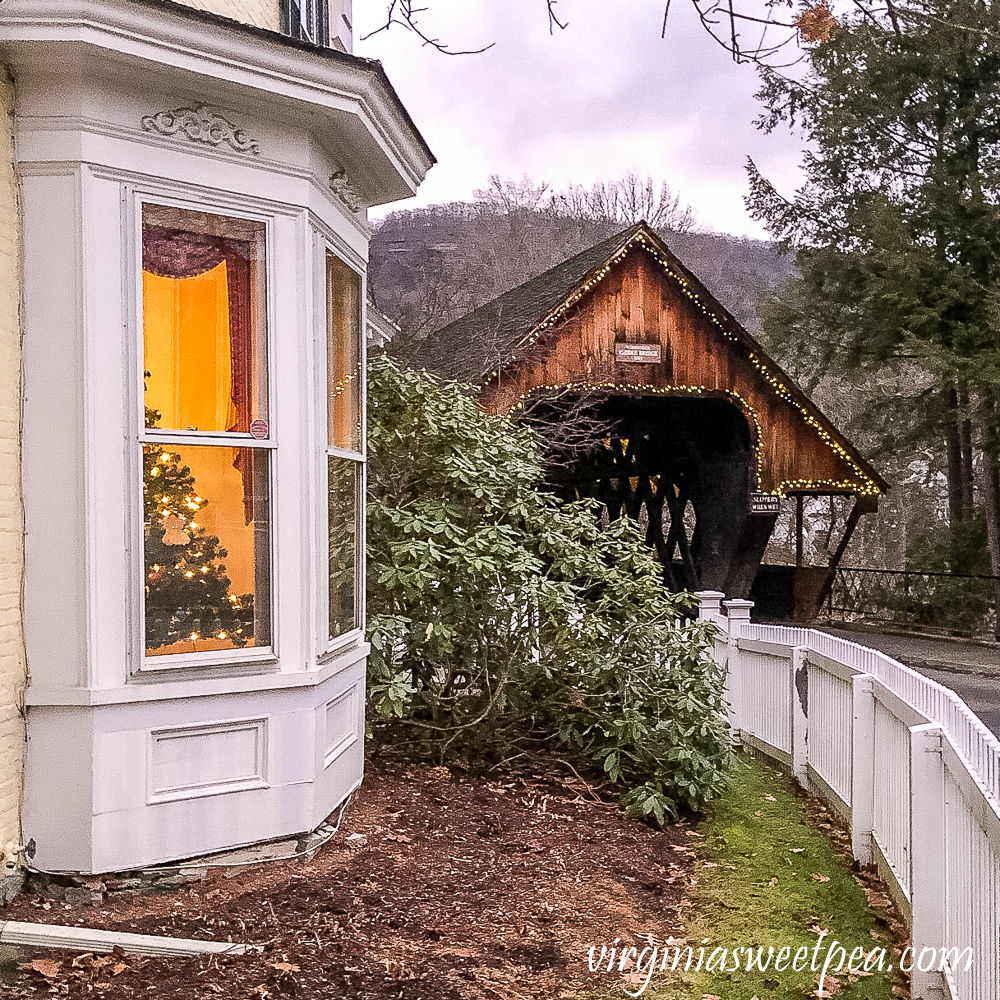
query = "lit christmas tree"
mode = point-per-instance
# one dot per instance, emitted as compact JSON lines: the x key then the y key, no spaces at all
{"x":187,"y":589}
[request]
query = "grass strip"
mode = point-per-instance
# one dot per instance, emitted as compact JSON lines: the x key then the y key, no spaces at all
{"x":764,"y":879}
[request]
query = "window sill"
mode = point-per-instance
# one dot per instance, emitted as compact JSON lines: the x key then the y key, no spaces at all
{"x":238,"y":660}
{"x":337,"y":647}
{"x":197,"y":684}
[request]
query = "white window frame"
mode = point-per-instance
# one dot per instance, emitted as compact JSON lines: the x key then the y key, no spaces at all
{"x":256,"y":658}
{"x":308,"y":26}
{"x":329,"y":645}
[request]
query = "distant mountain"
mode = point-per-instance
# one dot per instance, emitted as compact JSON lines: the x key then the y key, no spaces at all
{"x":431,"y":265}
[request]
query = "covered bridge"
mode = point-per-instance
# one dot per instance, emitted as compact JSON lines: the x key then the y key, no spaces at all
{"x":701,"y":433}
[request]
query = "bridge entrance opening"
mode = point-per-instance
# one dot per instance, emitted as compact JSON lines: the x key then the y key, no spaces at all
{"x":680,"y":466}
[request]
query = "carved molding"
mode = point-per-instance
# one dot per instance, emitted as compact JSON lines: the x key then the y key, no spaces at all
{"x":201,"y":125}
{"x":346,"y":191}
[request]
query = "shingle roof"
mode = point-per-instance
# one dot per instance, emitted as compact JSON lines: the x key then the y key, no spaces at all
{"x":473,"y":345}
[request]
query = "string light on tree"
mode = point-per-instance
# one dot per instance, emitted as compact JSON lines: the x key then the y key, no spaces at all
{"x":187,"y":588}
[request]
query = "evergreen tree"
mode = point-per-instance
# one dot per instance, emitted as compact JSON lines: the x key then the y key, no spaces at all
{"x":187,"y":590}
{"x":896,"y":226}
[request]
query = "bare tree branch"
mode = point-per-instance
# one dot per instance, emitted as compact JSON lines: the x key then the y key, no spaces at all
{"x":554,"y":21}
{"x":572,"y":421}
{"x":721,"y":19}
{"x":405,"y":14}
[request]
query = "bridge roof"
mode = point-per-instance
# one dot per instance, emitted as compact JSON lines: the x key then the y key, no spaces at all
{"x":571,"y":327}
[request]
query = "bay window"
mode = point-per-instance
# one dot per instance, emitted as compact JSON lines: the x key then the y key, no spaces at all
{"x":206,"y":437}
{"x":191,"y":442}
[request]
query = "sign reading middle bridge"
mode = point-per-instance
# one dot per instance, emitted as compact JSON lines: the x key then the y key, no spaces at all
{"x":643,"y":354}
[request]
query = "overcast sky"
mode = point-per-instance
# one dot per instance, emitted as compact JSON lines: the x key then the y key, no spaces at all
{"x":604,"y":97}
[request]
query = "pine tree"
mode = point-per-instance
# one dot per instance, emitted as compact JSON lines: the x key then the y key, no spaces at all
{"x":187,"y":590}
{"x":896,"y":227}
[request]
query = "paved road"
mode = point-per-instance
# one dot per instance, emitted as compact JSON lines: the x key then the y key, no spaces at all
{"x":971,"y":670}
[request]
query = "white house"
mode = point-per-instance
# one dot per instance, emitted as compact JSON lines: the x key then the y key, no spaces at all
{"x":182,"y":288}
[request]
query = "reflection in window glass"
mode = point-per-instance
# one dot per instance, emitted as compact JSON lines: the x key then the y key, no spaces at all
{"x":203,"y":318}
{"x":206,"y":545}
{"x":343,"y":290}
{"x":344,"y":478}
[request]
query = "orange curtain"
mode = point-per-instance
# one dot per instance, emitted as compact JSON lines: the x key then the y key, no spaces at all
{"x":179,"y":254}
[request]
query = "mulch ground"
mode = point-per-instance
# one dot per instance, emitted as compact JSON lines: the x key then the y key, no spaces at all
{"x":465,"y":886}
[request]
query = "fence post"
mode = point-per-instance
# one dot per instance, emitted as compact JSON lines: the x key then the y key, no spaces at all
{"x":927,"y":853}
{"x":799,"y":681}
{"x":710,"y":609}
{"x":710,"y":606}
{"x":863,"y":768}
{"x":738,"y":615}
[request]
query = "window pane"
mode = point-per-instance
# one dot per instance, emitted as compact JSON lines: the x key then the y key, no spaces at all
{"x":343,"y":353}
{"x":203,"y":321}
{"x":344,"y":478}
{"x":207,"y":548}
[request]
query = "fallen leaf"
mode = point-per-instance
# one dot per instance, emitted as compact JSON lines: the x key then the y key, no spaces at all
{"x":710,"y":996}
{"x":709,"y":864}
{"x":796,"y":850}
{"x":48,"y":967}
{"x":757,"y":813}
{"x":774,"y":881}
{"x":820,"y":878}
{"x":118,"y":969}
{"x":816,"y":929}
{"x":770,"y":798}
{"x":286,"y":967}
{"x":831,"y":986}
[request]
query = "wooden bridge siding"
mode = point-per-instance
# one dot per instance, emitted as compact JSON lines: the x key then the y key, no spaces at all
{"x":637,"y":303}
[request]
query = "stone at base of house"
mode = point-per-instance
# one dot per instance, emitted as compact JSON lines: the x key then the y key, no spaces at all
{"x":93,"y":889}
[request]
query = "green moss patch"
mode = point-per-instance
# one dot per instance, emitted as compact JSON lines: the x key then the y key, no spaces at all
{"x":773,"y":906}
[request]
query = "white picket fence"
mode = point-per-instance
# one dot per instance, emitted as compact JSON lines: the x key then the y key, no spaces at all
{"x":903,"y":761}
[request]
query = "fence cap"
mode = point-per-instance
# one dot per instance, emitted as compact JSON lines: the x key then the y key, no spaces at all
{"x":737,"y":608}
{"x":709,"y":601}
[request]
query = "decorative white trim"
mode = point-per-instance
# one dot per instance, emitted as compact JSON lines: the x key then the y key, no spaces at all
{"x":207,"y":769}
{"x":204,"y":683}
{"x":341,"y":724}
{"x":200,"y":124}
{"x":345,"y":89}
